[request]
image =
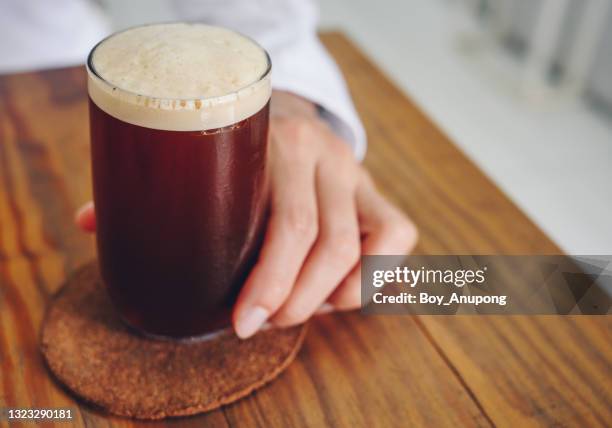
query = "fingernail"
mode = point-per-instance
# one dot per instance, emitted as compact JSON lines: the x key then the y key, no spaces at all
{"x":83,"y":209}
{"x":251,"y":321}
{"x":325,"y":308}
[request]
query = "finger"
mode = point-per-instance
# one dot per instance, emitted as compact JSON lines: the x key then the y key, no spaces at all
{"x":291,"y":232}
{"x":392,"y":230}
{"x":387,"y":232}
{"x":337,"y":248}
{"x":85,"y":217}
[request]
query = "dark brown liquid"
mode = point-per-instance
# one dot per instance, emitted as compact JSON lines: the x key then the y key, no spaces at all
{"x":180,"y":219}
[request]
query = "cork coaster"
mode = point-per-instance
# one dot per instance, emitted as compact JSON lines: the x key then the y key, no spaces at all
{"x":89,"y":349}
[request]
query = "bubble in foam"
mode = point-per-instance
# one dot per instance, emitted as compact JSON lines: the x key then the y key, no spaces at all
{"x":179,"y":76}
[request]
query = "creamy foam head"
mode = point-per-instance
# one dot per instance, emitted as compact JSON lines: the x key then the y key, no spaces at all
{"x":179,"y":76}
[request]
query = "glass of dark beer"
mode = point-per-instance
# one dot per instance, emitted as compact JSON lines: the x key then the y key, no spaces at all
{"x":179,"y":130}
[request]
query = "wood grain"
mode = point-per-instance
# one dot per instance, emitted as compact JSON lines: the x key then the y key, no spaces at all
{"x":353,"y":370}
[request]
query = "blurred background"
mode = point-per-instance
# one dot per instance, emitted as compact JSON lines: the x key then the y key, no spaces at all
{"x":523,"y":87}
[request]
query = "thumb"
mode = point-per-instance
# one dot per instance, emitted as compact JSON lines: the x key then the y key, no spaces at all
{"x":85,"y":217}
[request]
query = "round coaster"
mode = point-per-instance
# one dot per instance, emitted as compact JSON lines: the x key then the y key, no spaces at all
{"x":90,"y":350}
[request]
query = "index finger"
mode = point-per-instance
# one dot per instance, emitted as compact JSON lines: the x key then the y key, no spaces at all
{"x":291,"y":232}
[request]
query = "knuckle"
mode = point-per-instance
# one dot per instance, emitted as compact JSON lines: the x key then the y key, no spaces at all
{"x":365,"y":175}
{"x":276,"y":291}
{"x":344,"y":246}
{"x":296,"y":140}
{"x":341,"y":154}
{"x":299,"y":143}
{"x":365,"y":178}
{"x":272,"y":287}
{"x":338,"y":146}
{"x":301,"y":221}
{"x":404,"y":232}
{"x":296,"y":127}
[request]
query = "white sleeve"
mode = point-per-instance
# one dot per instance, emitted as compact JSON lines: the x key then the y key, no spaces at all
{"x":39,"y":34}
{"x":300,"y":64}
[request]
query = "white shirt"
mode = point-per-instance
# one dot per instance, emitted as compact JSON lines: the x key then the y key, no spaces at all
{"x":44,"y":34}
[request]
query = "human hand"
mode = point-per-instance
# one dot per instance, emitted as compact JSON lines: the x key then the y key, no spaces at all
{"x":325,"y":214}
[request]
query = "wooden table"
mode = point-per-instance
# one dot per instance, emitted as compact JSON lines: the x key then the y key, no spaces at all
{"x":353,"y":370}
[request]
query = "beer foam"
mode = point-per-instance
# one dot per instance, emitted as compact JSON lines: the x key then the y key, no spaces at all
{"x":179,"y":76}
